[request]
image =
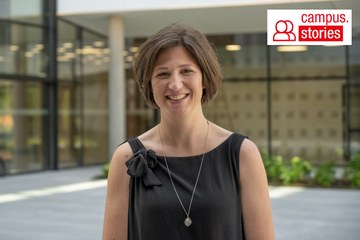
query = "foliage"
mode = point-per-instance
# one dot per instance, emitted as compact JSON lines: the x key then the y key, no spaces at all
{"x":325,"y":174}
{"x":277,"y":170}
{"x":273,"y":167}
{"x":296,"y":171}
{"x":105,"y":170}
{"x":352,"y":171}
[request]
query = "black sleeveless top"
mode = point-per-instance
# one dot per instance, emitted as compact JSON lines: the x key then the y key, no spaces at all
{"x":154,"y":210}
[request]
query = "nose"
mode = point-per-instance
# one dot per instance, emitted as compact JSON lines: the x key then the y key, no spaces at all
{"x":175,"y":82}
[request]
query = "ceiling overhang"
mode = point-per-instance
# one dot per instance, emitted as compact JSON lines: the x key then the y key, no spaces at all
{"x":210,"y":20}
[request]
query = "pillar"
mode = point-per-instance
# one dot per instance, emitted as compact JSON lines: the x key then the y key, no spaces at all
{"x":117,"y":94}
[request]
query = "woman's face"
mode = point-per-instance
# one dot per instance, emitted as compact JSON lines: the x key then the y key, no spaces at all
{"x":177,"y":82}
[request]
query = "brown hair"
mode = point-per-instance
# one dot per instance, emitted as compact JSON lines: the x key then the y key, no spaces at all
{"x":192,"y":40}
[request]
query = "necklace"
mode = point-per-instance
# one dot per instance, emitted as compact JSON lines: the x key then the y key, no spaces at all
{"x":187,"y":220}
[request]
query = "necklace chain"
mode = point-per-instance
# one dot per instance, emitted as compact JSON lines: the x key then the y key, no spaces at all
{"x":188,"y":220}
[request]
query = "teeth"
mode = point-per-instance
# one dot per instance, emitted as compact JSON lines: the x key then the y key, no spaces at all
{"x":177,"y":97}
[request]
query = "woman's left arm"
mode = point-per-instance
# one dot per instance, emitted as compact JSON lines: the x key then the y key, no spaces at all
{"x":255,"y":201}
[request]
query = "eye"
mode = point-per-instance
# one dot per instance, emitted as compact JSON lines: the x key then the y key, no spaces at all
{"x":162,"y":74}
{"x":187,"y":71}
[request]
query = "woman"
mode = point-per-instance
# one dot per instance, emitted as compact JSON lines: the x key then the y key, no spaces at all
{"x":186,"y":178}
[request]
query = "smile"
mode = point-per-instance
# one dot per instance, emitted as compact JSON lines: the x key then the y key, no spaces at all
{"x":176,"y":97}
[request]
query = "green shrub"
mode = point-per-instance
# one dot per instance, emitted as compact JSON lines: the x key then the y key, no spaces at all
{"x":352,"y":171}
{"x":298,"y":170}
{"x":325,"y":174}
{"x":105,"y":170}
{"x":273,"y":167}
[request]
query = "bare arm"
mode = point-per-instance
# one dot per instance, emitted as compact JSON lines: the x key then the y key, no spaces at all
{"x":255,"y":199}
{"x":116,"y":208}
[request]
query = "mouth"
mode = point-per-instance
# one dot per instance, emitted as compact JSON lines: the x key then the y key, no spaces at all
{"x":176,"y":97}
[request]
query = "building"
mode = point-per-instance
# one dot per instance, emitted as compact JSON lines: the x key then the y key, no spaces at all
{"x":68,"y":98}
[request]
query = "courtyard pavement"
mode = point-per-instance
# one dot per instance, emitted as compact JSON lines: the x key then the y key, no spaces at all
{"x":69,"y":205}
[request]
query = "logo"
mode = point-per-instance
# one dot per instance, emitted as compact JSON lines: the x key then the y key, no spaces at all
{"x":309,"y":27}
{"x":284,"y":31}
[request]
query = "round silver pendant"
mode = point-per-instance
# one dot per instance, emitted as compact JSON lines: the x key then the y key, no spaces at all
{"x":187,"y":222}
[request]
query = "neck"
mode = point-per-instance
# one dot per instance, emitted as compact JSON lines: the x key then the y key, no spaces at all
{"x":184,"y":134}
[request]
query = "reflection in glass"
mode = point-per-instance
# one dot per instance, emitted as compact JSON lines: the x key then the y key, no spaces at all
{"x":95,"y":98}
{"x":315,"y":61}
{"x":69,"y":97}
{"x":241,"y":55}
{"x":355,"y":143}
{"x":29,"y":11}
{"x":243,"y":115}
{"x":21,"y":125}
{"x":139,"y":116}
{"x":354,"y":113}
{"x":82,"y":95}
{"x":354,"y":57}
{"x":307,"y":127}
{"x":21,"y":50}
{"x":69,"y":124}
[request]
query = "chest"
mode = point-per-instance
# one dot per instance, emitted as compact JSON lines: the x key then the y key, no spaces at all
{"x":217,"y":192}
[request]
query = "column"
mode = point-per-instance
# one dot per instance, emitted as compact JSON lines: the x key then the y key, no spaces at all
{"x":117,"y":97}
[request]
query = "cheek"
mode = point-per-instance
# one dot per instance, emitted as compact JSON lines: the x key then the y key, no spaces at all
{"x":154,"y":90}
{"x":153,"y":87}
{"x":202,"y":82}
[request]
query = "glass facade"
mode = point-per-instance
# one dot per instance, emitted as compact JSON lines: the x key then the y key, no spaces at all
{"x":291,"y":103}
{"x":303,"y":102}
{"x":81,"y":90}
{"x":29,"y":11}
{"x":21,"y":125}
{"x":69,"y":96}
{"x":82,"y":96}
{"x":21,"y":49}
{"x":353,"y":91}
{"x":139,"y":116}
{"x":241,"y":105}
{"x":23,"y":66}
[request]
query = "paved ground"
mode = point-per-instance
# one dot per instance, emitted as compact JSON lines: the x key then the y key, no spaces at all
{"x":69,"y":204}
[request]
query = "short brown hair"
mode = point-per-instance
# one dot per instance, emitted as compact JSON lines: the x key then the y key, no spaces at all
{"x":191,"y":39}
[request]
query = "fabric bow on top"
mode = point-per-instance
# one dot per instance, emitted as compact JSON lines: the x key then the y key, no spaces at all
{"x":141,"y":165}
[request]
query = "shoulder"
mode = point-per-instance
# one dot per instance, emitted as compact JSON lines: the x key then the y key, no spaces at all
{"x":248,"y":148}
{"x":122,"y":153}
{"x":119,"y":158}
{"x":251,"y":164}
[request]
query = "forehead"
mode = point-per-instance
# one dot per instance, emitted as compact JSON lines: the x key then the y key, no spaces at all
{"x":176,"y":55}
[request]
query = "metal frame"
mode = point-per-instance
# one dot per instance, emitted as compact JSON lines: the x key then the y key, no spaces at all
{"x":50,"y":40}
{"x":269,"y":98}
{"x":80,"y":83}
{"x":20,"y":77}
{"x":346,"y":143}
{"x":21,"y":22}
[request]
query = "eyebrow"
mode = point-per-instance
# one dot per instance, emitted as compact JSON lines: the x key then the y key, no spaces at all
{"x":165,"y":68}
{"x":160,"y":68}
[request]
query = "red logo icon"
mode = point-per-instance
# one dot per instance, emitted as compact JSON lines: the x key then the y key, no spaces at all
{"x":284,"y":31}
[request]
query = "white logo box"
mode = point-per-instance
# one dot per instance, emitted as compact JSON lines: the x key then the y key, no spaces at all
{"x":309,"y":27}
